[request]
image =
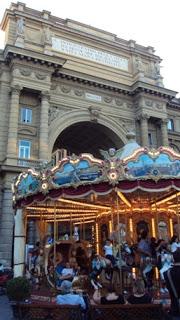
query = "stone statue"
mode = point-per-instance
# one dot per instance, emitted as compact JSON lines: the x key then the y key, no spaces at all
{"x":139,"y":64}
{"x":20,"y":27}
{"x":47,"y":35}
{"x":157,"y":68}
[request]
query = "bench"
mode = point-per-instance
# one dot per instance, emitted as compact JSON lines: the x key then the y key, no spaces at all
{"x":127,"y":312}
{"x":45,"y":311}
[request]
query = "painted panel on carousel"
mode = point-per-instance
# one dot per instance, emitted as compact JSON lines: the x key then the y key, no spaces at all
{"x":26,"y":184}
{"x":163,"y":162}
{"x":77,"y":170}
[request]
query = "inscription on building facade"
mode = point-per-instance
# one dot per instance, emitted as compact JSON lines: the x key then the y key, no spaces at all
{"x":78,"y":50}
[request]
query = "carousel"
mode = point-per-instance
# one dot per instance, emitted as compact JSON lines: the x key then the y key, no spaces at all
{"x":81,"y":201}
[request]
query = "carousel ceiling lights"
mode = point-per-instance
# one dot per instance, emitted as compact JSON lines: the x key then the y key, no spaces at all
{"x":173,"y":196}
{"x":123,"y":198}
{"x":84,"y":204}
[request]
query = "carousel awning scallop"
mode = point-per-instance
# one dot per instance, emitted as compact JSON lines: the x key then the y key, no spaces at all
{"x":146,"y":169}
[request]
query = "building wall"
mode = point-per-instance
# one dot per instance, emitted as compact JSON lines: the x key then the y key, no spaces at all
{"x":95,"y":76}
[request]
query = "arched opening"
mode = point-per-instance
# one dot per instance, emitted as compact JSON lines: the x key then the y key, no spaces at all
{"x":87,"y":137}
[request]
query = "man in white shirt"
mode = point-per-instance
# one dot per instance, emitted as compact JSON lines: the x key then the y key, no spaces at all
{"x":67,"y":297}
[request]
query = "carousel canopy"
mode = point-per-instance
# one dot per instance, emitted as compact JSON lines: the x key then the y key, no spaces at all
{"x":125,"y":170}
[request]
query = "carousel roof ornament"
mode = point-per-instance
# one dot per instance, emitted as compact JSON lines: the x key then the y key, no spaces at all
{"x":129,"y":168}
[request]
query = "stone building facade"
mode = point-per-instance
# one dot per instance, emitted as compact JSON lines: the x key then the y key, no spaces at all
{"x":67,"y":85}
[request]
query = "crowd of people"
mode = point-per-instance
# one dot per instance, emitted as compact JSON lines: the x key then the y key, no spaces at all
{"x":163,"y":255}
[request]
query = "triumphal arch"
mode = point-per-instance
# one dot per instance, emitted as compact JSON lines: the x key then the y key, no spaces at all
{"x":66,"y":87}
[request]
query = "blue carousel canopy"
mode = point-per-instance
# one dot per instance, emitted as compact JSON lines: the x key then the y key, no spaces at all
{"x":120,"y":169}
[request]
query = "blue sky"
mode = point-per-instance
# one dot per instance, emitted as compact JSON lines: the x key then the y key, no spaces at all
{"x":153,"y":23}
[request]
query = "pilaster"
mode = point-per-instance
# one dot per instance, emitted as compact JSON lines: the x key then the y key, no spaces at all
{"x":19,"y":244}
{"x":144,"y":129}
{"x":13,"y":122}
{"x":44,"y":129}
{"x":164,"y":132}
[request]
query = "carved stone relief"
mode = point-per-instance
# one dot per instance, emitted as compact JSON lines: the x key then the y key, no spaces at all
{"x":27,"y":131}
{"x":94,"y":113}
{"x":78,"y":92}
{"x":65,"y":89}
{"x":40,"y":76}
{"x":149,"y":103}
{"x":25,"y":72}
{"x":108,"y":99}
{"x":119,"y":102}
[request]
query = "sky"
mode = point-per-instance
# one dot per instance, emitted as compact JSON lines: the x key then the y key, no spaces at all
{"x":153,"y":23}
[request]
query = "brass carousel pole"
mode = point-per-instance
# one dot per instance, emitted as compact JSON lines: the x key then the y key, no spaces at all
{"x":71,"y":226}
{"x":55,"y":230}
{"x":157,"y":219}
{"x":119,"y":245}
{"x":177,"y":212}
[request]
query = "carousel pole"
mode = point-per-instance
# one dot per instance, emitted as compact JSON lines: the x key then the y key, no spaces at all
{"x":71,"y":226}
{"x":55,"y":230}
{"x":157,"y":219}
{"x":178,"y":217}
{"x":83,"y":229}
{"x":119,"y":246}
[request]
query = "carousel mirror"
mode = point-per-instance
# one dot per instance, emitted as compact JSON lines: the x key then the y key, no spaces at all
{"x":163,"y":230}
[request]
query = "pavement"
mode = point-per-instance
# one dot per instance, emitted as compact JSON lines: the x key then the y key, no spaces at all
{"x":5,"y":308}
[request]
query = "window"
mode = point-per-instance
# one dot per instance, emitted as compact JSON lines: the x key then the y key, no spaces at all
{"x":26,"y":115}
{"x":170,"y":125}
{"x":150,"y":140}
{"x":24,"y":149}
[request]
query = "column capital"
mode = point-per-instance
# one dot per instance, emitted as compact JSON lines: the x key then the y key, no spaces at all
{"x":143,"y":116}
{"x":164,"y":121}
{"x":45,"y":95}
{"x":16,"y":89}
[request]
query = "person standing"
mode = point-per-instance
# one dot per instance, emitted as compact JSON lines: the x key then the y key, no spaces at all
{"x":172,"y":278}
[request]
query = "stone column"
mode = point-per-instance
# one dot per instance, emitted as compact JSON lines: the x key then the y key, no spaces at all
{"x":164,"y":132}
{"x":19,"y":244}
{"x":44,"y":129}
{"x":6,"y":226}
{"x":4,"y":101}
{"x":13,"y":122}
{"x":144,"y":130}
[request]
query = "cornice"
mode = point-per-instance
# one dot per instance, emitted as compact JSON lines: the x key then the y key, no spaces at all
{"x":135,"y":89}
{"x":11,"y":52}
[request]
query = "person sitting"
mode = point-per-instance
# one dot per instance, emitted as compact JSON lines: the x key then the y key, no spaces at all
{"x":67,"y":273}
{"x":172,"y":277}
{"x":68,"y":297}
{"x":108,"y":251}
{"x":174,"y":243}
{"x":139,"y":294}
{"x":97,"y":266}
{"x":110,"y":297}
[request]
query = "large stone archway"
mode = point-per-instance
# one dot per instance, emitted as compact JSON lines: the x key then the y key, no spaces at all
{"x":76,"y":131}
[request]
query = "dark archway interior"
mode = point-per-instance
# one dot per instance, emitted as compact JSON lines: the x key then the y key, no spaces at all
{"x":87,"y":137}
